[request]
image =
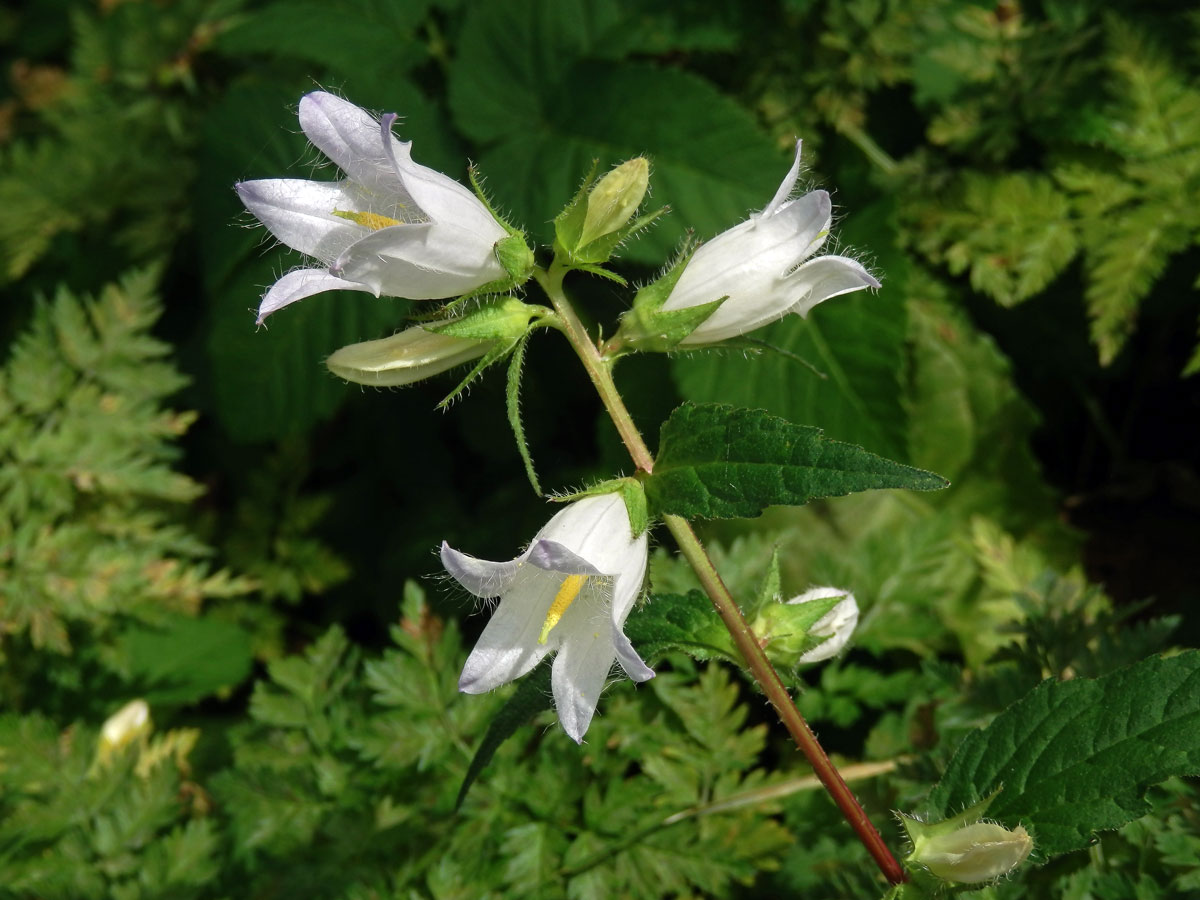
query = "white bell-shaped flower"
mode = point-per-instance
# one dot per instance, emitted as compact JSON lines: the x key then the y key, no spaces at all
{"x":569,"y":592}
{"x":764,"y":267}
{"x":390,"y":227}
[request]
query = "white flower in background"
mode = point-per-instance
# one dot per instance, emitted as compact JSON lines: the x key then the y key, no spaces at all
{"x":391,"y":227}
{"x":570,"y":592}
{"x":837,"y":625}
{"x":760,"y":266}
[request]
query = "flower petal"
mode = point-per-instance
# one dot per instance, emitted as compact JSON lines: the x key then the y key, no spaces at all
{"x":825,"y":277}
{"x":300,"y":214}
{"x":480,"y":576}
{"x":580,"y":670}
{"x":785,"y":187}
{"x":439,"y":196}
{"x":303,"y":283}
{"x":350,"y":137}
{"x":555,"y":557}
{"x":420,"y":262}
{"x":508,"y":647}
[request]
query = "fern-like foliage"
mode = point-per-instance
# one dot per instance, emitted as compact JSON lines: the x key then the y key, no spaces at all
{"x":90,"y":528}
{"x":104,"y":141}
{"x":1135,"y":203}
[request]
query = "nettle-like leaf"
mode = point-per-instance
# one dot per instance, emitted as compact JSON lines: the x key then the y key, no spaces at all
{"x":684,"y":622}
{"x":1076,"y":757}
{"x":716,"y":461}
{"x":547,"y":88}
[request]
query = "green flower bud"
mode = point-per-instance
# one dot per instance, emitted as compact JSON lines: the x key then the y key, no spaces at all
{"x":599,"y":217}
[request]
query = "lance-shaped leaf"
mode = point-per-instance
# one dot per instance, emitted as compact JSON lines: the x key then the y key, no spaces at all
{"x":1076,"y":757}
{"x":721,"y":462}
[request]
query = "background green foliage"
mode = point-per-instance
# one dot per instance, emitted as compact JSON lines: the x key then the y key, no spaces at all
{"x":194,"y":512}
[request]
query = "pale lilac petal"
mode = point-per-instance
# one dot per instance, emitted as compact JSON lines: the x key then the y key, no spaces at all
{"x":580,"y":670}
{"x":480,"y":576}
{"x":553,"y":556}
{"x":825,"y":277}
{"x":786,"y":186}
{"x":303,"y":283}
{"x":350,"y":137}
{"x":300,"y":214}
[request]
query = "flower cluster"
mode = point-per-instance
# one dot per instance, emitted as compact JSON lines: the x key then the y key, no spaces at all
{"x":393,"y":227}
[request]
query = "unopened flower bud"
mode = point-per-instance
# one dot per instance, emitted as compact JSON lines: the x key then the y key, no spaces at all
{"x":409,"y":356}
{"x":426,"y":350}
{"x":600,"y":216}
{"x":130,"y":722}
{"x":615,"y":199}
{"x":821,"y":616}
{"x":974,"y":853}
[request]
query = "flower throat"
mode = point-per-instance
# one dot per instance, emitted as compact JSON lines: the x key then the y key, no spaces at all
{"x":566,"y":595}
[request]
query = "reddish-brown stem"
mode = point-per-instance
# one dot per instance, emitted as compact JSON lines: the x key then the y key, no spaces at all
{"x":693,"y":551}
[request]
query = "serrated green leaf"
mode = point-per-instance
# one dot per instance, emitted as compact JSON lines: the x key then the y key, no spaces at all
{"x":1076,"y":757}
{"x":718,"y":462}
{"x":684,"y":622}
{"x":545,"y":115}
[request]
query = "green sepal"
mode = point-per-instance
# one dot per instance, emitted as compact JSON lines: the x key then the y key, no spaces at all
{"x":920,"y":832}
{"x":495,"y":355}
{"x":570,"y":224}
{"x":686,"y":623}
{"x":631,"y":492}
{"x":513,"y":252}
{"x":770,"y":591}
{"x":506,"y":319}
{"x":513,"y":407}
{"x":602,"y":248}
{"x":646,"y":328}
{"x":784,"y":628}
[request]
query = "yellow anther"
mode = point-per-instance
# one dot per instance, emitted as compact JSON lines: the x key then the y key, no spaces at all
{"x":566,"y":595}
{"x":371,"y":220}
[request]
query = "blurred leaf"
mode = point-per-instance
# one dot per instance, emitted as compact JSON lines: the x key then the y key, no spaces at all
{"x":545,"y":91}
{"x":186,"y":659}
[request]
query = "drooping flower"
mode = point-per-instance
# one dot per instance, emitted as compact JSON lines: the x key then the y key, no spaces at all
{"x":764,"y":267}
{"x":390,"y":227}
{"x":569,"y":592}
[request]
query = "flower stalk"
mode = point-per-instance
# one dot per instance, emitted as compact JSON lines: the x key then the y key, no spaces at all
{"x":599,"y":370}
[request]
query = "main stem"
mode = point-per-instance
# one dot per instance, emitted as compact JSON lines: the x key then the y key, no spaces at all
{"x":693,"y":551}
